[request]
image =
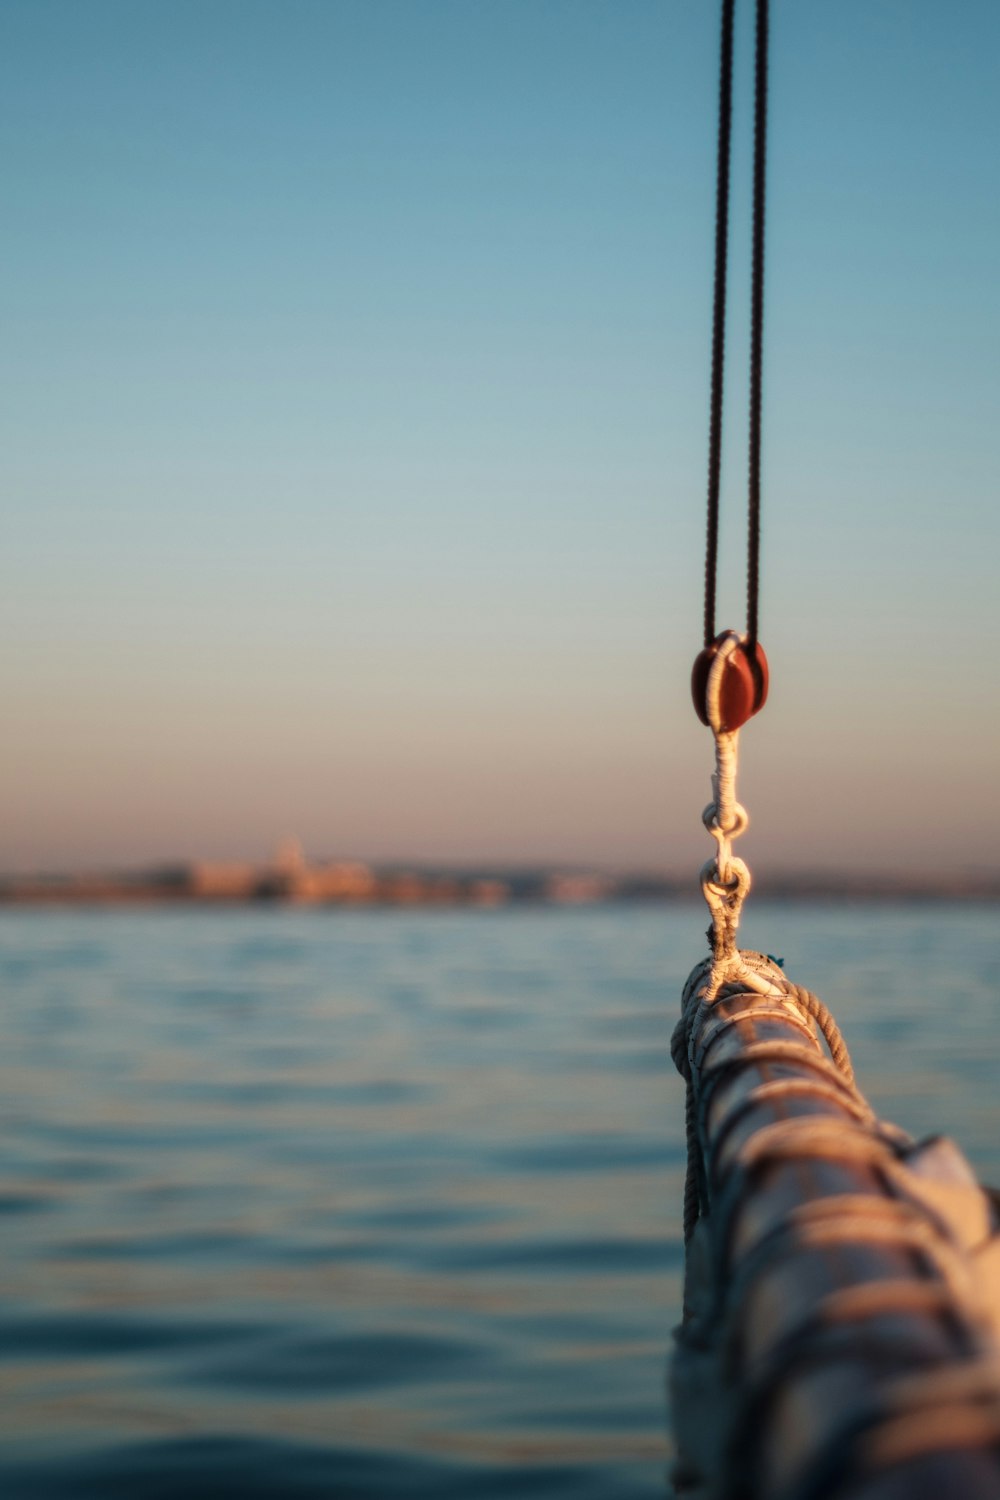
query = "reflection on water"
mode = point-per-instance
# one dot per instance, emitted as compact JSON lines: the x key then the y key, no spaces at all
{"x":388,"y":1204}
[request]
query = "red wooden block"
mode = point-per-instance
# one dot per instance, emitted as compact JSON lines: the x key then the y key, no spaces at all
{"x":743,"y":690}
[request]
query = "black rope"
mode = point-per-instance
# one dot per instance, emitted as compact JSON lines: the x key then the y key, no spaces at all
{"x":719,"y":319}
{"x":719,"y":312}
{"x":757,"y":321}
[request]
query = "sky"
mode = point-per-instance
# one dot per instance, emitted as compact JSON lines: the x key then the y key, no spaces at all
{"x":353,"y":432}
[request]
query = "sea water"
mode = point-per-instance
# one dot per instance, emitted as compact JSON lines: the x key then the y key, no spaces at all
{"x":387,"y":1204}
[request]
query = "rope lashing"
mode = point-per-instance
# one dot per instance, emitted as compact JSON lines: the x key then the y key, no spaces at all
{"x":927,"y":1385}
{"x":726,"y":975}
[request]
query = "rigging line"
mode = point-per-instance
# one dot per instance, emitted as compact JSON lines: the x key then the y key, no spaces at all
{"x":757,"y":323}
{"x":719,"y":312}
{"x":719,"y":320}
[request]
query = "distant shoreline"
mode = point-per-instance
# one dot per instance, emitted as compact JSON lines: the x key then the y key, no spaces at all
{"x":290,"y":881}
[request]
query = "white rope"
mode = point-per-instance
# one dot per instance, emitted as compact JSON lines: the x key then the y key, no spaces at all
{"x":725,"y":880}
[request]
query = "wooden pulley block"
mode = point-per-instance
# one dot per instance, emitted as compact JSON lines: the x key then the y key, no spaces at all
{"x":743,"y":689}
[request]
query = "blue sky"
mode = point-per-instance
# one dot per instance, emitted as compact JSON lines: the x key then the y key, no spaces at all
{"x":355,"y":374}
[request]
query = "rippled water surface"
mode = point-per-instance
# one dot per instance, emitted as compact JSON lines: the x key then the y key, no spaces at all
{"x":388,"y":1204}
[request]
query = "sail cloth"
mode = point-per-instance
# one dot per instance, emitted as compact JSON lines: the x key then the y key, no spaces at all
{"x":841,"y":1327}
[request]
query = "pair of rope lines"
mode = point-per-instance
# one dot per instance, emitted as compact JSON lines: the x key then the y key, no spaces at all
{"x":730,"y":677}
{"x":719,"y":315}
